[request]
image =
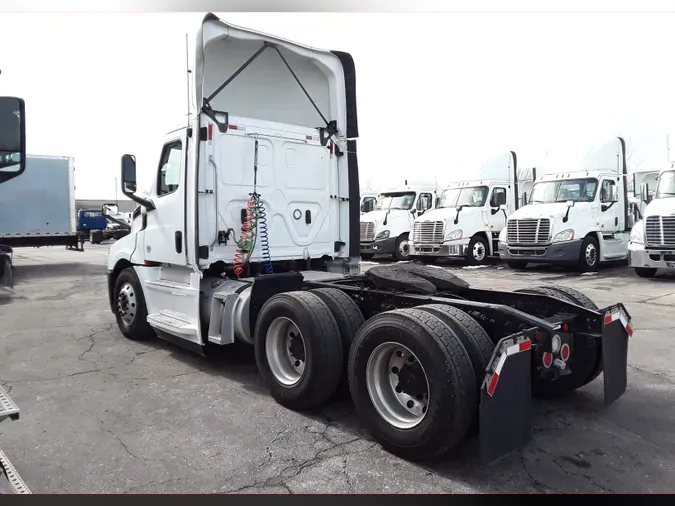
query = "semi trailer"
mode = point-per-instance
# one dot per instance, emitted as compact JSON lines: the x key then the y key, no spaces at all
{"x":471,"y":214}
{"x":250,"y":235}
{"x":576,"y":217}
{"x":37,"y":208}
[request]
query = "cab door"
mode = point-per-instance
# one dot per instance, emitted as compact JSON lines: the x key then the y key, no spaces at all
{"x":165,"y":227}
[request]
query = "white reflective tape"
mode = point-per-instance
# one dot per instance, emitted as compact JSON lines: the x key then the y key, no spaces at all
{"x":500,"y":364}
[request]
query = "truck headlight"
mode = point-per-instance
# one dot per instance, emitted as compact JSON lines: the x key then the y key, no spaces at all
{"x":382,"y":235}
{"x":502,"y":235}
{"x":565,"y":235}
{"x":636,"y":234}
{"x":454,"y":235}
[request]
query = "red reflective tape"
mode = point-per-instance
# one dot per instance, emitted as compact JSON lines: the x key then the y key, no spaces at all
{"x":309,"y":137}
{"x":233,"y":127}
{"x":493,"y":384}
{"x":629,"y":329}
{"x":210,"y":132}
{"x":525,"y":345}
{"x":608,"y":319}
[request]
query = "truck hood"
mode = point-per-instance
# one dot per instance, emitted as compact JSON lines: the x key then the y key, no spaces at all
{"x":554,"y":210}
{"x":448,"y":214}
{"x":661,"y":207}
{"x":378,"y":216}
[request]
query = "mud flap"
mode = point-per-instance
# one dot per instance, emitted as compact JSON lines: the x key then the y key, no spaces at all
{"x":616,"y":331}
{"x":506,"y":399}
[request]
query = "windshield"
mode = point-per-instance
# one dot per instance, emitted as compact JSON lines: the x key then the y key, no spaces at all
{"x":666,"y":187}
{"x":578,"y":190}
{"x":396,"y":200}
{"x":471,"y":196}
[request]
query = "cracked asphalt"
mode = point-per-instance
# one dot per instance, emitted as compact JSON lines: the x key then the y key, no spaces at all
{"x":100,"y":413}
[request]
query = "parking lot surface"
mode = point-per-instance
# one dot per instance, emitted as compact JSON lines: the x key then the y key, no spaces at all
{"x":100,"y":413}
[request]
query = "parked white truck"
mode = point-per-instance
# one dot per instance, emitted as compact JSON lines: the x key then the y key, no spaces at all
{"x":386,"y":230}
{"x":574,"y":217}
{"x":250,"y":233}
{"x":652,"y":239}
{"x":471,"y":214}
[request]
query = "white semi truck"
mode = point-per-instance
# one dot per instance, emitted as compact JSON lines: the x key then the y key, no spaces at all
{"x":577,"y":217}
{"x":471,"y":214}
{"x":386,"y":230}
{"x":12,"y":166}
{"x":652,"y":239}
{"x":250,"y":234}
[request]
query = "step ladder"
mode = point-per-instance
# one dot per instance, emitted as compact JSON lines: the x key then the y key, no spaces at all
{"x":10,"y":481}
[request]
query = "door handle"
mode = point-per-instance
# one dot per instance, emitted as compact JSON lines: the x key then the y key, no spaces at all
{"x":178,"y":237}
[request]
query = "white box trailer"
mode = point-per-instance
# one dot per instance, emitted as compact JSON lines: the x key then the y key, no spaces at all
{"x":37,"y":208}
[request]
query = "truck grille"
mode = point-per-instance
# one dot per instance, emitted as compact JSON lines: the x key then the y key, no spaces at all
{"x":660,"y":231}
{"x":367,"y":231}
{"x":428,"y":232}
{"x":528,"y":231}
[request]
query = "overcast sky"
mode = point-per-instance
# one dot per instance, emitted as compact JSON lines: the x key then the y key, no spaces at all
{"x":438,"y":94}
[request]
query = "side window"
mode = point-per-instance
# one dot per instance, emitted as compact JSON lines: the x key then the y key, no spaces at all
{"x":424,"y":202}
{"x":608,"y":191}
{"x":498,"y":197}
{"x":168,"y":176}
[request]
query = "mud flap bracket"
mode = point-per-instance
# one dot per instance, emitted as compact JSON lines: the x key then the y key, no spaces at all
{"x":505,"y":412}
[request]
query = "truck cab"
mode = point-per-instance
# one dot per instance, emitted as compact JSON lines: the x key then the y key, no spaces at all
{"x":575,"y":217}
{"x":470,"y":215}
{"x":637,"y":200}
{"x":385,"y":230}
{"x":652,"y":239}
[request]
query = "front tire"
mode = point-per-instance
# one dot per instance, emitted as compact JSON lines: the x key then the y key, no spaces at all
{"x":478,"y":251}
{"x":645,"y":272}
{"x":402,"y":248}
{"x":412,"y":383}
{"x":298,"y":349}
{"x":589,"y":256}
{"x":131,"y":311}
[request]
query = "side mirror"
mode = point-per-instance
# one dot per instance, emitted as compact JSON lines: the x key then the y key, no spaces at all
{"x":644,"y":193}
{"x":499,"y":199}
{"x":524,"y":203}
{"x":129,"y":182}
{"x":110,"y":209}
{"x":12,"y":137}
{"x":128,"y":174}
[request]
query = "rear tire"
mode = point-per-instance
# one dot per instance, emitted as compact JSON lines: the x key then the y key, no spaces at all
{"x":582,"y":362}
{"x":349,"y":320}
{"x":444,"y":416}
{"x":298,"y":349}
{"x":645,"y":272}
{"x":131,"y":311}
{"x":518,"y":265}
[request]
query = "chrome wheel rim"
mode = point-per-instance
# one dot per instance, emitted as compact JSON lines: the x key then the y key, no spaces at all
{"x":404,"y":248}
{"x":400,"y":395}
{"x":126,"y":304}
{"x":591,"y":255}
{"x":285,"y":350}
{"x":478,"y":251}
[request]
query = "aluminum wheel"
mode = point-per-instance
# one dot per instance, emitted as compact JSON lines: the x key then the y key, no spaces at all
{"x":404,"y":248}
{"x":285,"y":350}
{"x":126,"y":304}
{"x":478,"y":251}
{"x":591,"y":254}
{"x":397,"y":385}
